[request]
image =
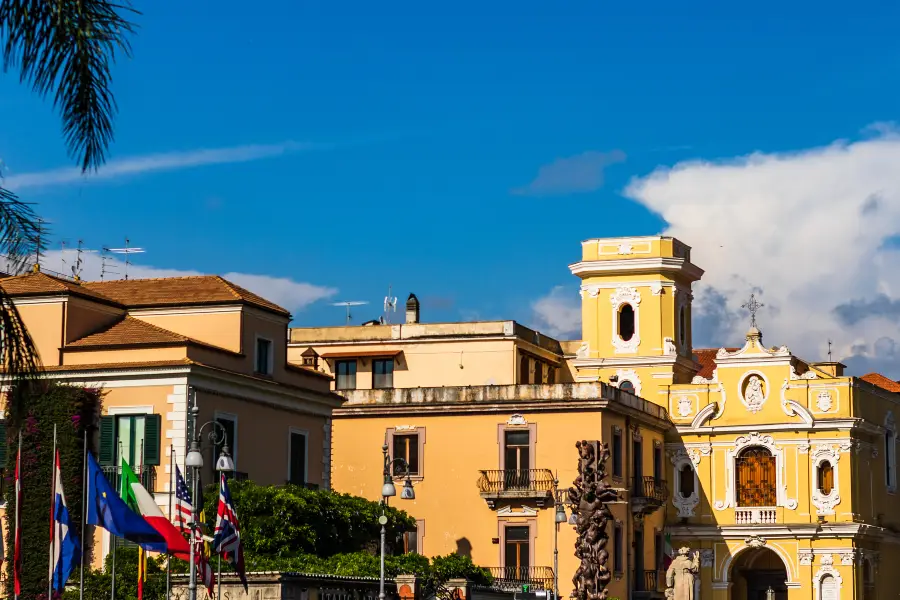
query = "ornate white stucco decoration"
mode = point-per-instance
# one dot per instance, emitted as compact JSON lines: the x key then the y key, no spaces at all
{"x":826,"y":560}
{"x":508,"y":511}
{"x":632,"y":376}
{"x":848,"y":557}
{"x":684,"y":405}
{"x":805,"y":557}
{"x":714,"y":379}
{"x":753,"y":390}
{"x":707,"y":558}
{"x":792,"y":408}
{"x":682,"y":458}
{"x":755,"y":541}
{"x":824,"y":401}
{"x":404,"y":427}
{"x":825,"y":570}
{"x":583,"y":350}
{"x":704,"y":415}
{"x":753,"y":348}
{"x":669,"y":348}
{"x":754,"y":438}
{"x":625,"y":248}
{"x":517,"y":421}
{"x":625,"y":295}
{"x":825,"y":503}
{"x":656,"y":288}
{"x":810,"y":374}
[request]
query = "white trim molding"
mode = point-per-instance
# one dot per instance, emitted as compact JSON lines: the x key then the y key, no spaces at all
{"x":826,"y":569}
{"x":825,"y":503}
{"x":632,"y":376}
{"x":622,"y":296}
{"x":754,"y":438}
{"x":682,"y":458}
{"x":753,"y":390}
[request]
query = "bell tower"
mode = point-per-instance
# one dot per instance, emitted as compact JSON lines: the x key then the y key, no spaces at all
{"x":636,"y":313}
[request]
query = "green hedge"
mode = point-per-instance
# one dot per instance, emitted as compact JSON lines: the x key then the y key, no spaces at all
{"x":33,"y":409}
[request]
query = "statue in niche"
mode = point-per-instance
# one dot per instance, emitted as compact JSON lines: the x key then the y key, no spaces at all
{"x":754,"y":395}
{"x":681,"y":575}
{"x":588,"y":497}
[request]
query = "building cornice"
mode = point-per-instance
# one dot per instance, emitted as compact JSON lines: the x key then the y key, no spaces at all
{"x":665,"y":264}
{"x":785,"y":531}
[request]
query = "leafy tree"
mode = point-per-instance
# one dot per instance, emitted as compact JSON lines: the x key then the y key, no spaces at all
{"x":73,"y":411}
{"x":98,"y":583}
{"x":64,"y":50}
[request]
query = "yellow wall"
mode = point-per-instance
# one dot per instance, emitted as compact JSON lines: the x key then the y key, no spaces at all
{"x":217,"y":328}
{"x":45,"y":326}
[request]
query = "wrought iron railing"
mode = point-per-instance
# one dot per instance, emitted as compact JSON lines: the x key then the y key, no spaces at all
{"x":513,"y":578}
{"x":516,"y":480}
{"x":649,"y":488}
{"x":646,"y":581}
{"x":146,"y":474}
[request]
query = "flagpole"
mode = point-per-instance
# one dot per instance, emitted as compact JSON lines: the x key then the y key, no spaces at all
{"x":52,"y":510}
{"x":17,"y":550}
{"x":219,"y":579}
{"x":142,"y":555}
{"x":171,"y":493}
{"x":112,"y":538}
{"x":84,"y":489}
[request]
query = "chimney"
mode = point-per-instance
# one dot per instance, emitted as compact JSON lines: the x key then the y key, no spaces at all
{"x":412,"y":309}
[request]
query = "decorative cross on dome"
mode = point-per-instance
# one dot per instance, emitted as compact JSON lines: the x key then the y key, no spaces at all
{"x":752,"y":305}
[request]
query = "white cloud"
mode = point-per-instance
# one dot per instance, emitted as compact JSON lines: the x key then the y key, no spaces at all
{"x":290,"y":294}
{"x":808,"y":229}
{"x":148,"y":163}
{"x":558,"y":313}
{"x":580,"y":173}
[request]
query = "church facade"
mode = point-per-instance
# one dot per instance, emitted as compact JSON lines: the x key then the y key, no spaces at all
{"x":779,"y":473}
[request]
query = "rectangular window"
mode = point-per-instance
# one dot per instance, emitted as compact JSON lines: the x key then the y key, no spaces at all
{"x":637,"y":463}
{"x":551,"y":375}
{"x":406,"y":446}
{"x":517,"y":551}
{"x":134,"y":438}
{"x":383,"y":373}
{"x":658,"y":559}
{"x":229,"y":426}
{"x":517,"y":459}
{"x":523,"y":369}
{"x":657,"y":463}
{"x":617,"y":454}
{"x":538,"y":372}
{"x":346,"y":374}
{"x":411,"y":540}
{"x":263,"y":356}
{"x":618,"y":557}
{"x":889,"y":460}
{"x":297,"y":451}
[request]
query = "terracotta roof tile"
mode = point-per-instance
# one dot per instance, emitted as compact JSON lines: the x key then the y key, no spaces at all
{"x":148,"y":364}
{"x":706,"y":360}
{"x":129,"y":331}
{"x":35,"y":284}
{"x":882,"y":382}
{"x":179,"y":291}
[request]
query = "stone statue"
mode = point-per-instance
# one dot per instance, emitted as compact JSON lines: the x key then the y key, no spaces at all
{"x":588,"y":497}
{"x":754,"y":394}
{"x":681,"y":575}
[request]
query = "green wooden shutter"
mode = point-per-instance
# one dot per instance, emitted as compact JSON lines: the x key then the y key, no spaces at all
{"x":107,"y":441}
{"x":2,"y":444}
{"x":152,"y":433}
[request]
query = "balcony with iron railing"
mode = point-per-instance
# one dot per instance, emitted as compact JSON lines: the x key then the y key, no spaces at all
{"x":647,"y":494}
{"x":517,"y":484}
{"x":646,"y":584}
{"x":512,"y":579}
{"x":146,"y":475}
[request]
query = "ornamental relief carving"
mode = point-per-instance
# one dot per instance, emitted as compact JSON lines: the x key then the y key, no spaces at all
{"x":753,"y":391}
{"x":824,"y":401}
{"x":625,"y":295}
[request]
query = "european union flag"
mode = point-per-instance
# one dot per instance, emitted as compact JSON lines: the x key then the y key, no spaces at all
{"x":107,"y":510}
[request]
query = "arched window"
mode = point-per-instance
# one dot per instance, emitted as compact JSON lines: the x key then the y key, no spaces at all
{"x":755,"y":473}
{"x":682,"y":326}
{"x":686,"y":481}
{"x":825,"y":477}
{"x":626,"y":386}
{"x":626,"y":322}
{"x":828,"y":588}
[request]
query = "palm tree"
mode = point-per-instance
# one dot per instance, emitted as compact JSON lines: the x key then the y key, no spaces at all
{"x":63,"y":48}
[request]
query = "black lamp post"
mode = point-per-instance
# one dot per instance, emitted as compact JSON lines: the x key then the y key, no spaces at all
{"x":388,"y":490}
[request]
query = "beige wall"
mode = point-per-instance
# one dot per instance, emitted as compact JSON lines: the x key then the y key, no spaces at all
{"x":84,"y":317}
{"x":45,"y":326}
{"x":95,"y":357}
{"x":218,"y":328}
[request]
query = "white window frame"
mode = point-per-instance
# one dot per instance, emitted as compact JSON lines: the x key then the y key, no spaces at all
{"x":632,"y":297}
{"x":271,"y":361}
{"x":824,"y":571}
{"x":684,"y":505}
{"x":226,"y":416}
{"x":825,"y":503}
{"x":890,"y":453}
{"x":305,"y":434}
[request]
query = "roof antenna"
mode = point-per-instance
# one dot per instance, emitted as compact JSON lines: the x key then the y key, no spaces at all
{"x":105,"y":261}
{"x":79,"y":261}
{"x":390,"y":305}
{"x":348,"y":304}
{"x":40,"y":244}
{"x":127,"y":251}
{"x":829,"y":350}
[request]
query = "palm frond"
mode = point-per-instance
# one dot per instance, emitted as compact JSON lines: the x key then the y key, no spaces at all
{"x":67,"y":48}
{"x":19,"y":238}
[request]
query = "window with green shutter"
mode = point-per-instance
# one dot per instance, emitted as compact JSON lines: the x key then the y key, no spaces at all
{"x":134,"y":438}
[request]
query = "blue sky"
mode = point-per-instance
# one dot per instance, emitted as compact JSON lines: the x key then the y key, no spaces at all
{"x":403,"y":141}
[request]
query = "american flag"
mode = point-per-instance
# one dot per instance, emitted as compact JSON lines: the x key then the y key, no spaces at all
{"x":183,"y":507}
{"x":227,"y":540}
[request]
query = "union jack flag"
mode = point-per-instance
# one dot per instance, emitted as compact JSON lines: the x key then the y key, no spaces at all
{"x":183,"y":507}
{"x":227,"y":540}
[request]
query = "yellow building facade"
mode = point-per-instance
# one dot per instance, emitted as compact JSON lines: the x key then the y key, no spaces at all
{"x":779,"y":472}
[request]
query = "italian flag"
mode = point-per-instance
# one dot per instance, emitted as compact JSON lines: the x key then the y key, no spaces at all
{"x":140,"y":500}
{"x":667,"y":552}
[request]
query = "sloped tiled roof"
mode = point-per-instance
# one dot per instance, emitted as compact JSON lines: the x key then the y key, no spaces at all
{"x":179,"y":291}
{"x":127,"y":332}
{"x":882,"y":382}
{"x":38,"y":284}
{"x":706,"y":360}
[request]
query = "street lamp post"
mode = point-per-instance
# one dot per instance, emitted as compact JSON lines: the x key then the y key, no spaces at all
{"x":194,"y":461}
{"x":559,"y":517}
{"x":388,"y":491}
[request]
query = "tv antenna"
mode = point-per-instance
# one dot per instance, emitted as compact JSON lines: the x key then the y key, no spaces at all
{"x":105,"y":261}
{"x":79,"y":251}
{"x":348,"y":304}
{"x":829,"y":350}
{"x":40,"y":244}
{"x":128,"y":250}
{"x":390,"y":305}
